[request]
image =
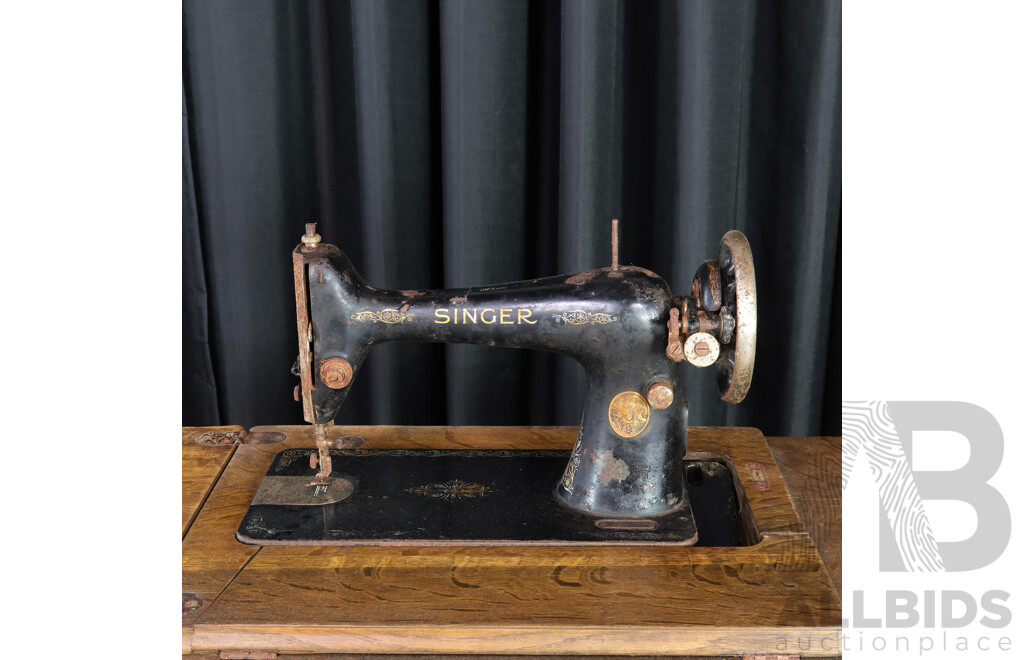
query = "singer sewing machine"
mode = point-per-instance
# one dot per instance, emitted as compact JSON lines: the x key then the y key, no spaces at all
{"x":631,"y":534}
{"x":625,"y":479}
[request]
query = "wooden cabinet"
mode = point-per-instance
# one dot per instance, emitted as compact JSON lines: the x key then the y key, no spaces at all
{"x":777,"y":596}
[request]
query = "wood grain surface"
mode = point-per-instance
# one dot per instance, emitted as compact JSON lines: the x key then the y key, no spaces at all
{"x":200,"y":467}
{"x":813,"y":469}
{"x":774,"y":595}
{"x":210,"y":554}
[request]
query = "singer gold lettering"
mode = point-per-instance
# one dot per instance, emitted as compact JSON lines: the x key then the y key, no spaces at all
{"x":488,"y":316}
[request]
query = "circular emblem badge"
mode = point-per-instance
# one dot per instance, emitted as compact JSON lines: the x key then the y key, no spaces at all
{"x":628,"y":414}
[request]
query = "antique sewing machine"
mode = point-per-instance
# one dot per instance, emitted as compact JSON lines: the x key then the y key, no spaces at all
{"x":626,"y":480}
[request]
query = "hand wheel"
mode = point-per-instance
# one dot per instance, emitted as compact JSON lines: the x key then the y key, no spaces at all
{"x":735,"y":363}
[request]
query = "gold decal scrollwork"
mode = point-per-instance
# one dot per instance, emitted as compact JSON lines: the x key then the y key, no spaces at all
{"x":580,"y":317}
{"x":574,"y":462}
{"x":454,"y":489}
{"x":383,"y":316}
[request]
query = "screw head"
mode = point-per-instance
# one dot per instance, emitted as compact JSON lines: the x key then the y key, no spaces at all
{"x":701,"y":349}
{"x":659,"y":394}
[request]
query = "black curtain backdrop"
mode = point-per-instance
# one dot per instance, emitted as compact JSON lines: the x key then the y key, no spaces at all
{"x":468,"y":142}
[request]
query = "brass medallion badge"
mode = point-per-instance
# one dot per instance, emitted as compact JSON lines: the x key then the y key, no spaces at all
{"x":628,"y":414}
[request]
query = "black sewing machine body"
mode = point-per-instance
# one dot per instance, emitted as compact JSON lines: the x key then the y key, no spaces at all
{"x":621,"y":323}
{"x":612,"y":321}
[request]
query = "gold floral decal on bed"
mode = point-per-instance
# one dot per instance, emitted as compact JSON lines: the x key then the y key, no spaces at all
{"x":454,"y":489}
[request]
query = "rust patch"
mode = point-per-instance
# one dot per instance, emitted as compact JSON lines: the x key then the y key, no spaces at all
{"x":659,"y":394}
{"x":610,"y":468}
{"x":304,"y":328}
{"x":458,"y":299}
{"x":674,"y":350}
{"x":322,"y":446}
{"x":615,"y":244}
{"x":336,"y":373}
{"x":262,"y":438}
{"x":348,"y":442}
{"x":190,"y":602}
{"x":582,"y":278}
{"x":412,"y":293}
{"x":404,"y":308}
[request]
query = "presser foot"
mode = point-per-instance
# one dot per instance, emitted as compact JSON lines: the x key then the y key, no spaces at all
{"x":296,"y":489}
{"x":283,"y":490}
{"x":322,"y":457}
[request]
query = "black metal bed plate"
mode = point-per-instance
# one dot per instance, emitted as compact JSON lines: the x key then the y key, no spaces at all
{"x":471,"y":497}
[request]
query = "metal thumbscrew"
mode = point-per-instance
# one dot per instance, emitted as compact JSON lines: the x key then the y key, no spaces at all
{"x":659,"y":394}
{"x":674,"y":350}
{"x":311,"y":239}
